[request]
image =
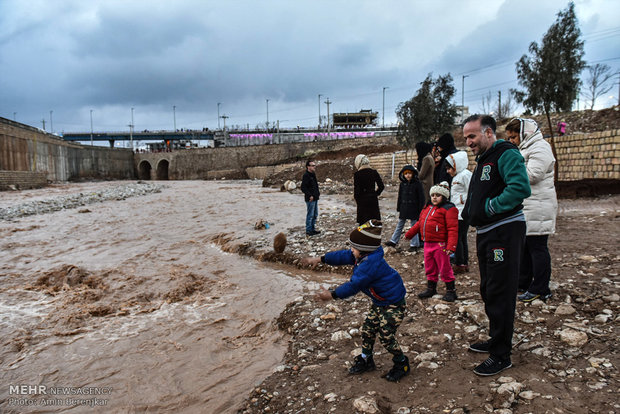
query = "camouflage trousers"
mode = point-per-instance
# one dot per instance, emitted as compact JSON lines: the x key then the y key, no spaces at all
{"x":383,"y":321}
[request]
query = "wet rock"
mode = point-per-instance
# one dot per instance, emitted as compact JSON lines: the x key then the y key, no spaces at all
{"x":573,"y":337}
{"x":279,"y":242}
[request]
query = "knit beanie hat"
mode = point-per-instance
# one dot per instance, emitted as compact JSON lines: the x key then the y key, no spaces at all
{"x":361,"y":160}
{"x":367,"y":237}
{"x":443,"y":188}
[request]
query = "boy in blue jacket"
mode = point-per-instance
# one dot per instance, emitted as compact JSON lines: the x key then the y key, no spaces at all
{"x":373,"y":276}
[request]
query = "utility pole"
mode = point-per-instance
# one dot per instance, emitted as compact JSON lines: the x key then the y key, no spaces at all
{"x":328,"y":102}
{"x":383,"y":122}
{"x":218,"y":115}
{"x":91,"y":127}
{"x":43,"y":121}
{"x":463,"y":98}
{"x":499,"y":105}
{"x":267,"y":100}
{"x":174,"y":115}
{"x":51,"y":123}
{"x":320,"y":111}
{"x":14,"y":116}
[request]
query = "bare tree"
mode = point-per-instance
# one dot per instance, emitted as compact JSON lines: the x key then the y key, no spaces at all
{"x":596,"y":84}
{"x":486,"y":104}
{"x":505,"y":106}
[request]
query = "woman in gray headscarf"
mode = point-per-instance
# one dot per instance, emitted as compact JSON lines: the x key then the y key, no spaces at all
{"x":367,"y":186}
{"x":540,"y":208}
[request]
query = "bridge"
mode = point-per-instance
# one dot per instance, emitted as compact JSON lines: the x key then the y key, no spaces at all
{"x":111,"y":137}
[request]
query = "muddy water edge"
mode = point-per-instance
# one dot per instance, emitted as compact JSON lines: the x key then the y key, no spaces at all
{"x":129,"y":306}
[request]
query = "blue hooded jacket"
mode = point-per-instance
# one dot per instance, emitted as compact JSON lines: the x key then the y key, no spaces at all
{"x":372,"y":275}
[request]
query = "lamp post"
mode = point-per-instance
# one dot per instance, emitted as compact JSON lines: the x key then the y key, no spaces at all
{"x":383,"y":121}
{"x":91,"y":127}
{"x":218,"y":115}
{"x":267,"y":100}
{"x":174,"y":115}
{"x":14,"y":116}
{"x":131,"y":130}
{"x":328,"y":102}
{"x":320,"y":111}
{"x":463,"y":98}
{"x":51,"y":122}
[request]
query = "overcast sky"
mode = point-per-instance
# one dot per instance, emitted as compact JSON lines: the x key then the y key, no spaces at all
{"x":108,"y":56}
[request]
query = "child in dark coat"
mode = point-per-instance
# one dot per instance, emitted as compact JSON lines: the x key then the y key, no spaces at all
{"x":373,"y":276}
{"x":409,"y":205}
{"x":438,"y":225}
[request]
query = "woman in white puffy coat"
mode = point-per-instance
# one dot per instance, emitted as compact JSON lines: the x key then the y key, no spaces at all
{"x":457,"y":168}
{"x":540,"y":208}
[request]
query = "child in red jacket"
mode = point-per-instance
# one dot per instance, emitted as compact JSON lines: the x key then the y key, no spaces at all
{"x":439,"y":228}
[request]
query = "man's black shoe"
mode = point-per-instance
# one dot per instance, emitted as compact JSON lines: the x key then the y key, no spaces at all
{"x":492,"y":366}
{"x":390,"y":243}
{"x":362,"y":365}
{"x":482,"y":347}
{"x":316,"y":231}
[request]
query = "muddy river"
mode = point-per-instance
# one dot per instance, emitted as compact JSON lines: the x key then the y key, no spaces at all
{"x":129,"y":306}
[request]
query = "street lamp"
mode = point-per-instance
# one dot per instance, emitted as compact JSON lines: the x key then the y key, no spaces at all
{"x":383,"y":121}
{"x":267,"y":100}
{"x":320,"y":111}
{"x":51,"y":123}
{"x":218,"y":115}
{"x":14,"y":116}
{"x":91,"y":127}
{"x":174,"y":115}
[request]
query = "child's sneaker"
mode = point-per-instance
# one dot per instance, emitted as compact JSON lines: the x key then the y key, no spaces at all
{"x":399,"y":370}
{"x":362,"y":365}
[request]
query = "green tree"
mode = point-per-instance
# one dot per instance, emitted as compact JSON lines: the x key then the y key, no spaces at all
{"x":550,"y":74}
{"x":429,"y":113}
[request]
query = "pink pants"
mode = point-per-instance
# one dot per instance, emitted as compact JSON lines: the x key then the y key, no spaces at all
{"x":437,"y":262}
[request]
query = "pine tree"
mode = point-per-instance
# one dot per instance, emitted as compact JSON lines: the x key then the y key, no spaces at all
{"x":429,"y":113}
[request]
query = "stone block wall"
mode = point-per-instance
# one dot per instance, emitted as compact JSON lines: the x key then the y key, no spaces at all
{"x":21,"y":180}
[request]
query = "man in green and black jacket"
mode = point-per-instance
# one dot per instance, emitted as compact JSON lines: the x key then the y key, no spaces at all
{"x":494,"y":206}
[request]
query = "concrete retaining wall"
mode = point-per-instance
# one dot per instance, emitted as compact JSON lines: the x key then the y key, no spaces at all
{"x":27,"y":149}
{"x":22,"y":180}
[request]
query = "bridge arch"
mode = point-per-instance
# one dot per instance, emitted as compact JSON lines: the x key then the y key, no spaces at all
{"x":144,"y":170}
{"x":162,"y":169}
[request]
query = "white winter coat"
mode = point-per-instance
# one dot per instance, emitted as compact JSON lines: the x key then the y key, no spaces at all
{"x":541,"y":206}
{"x":460,"y":182}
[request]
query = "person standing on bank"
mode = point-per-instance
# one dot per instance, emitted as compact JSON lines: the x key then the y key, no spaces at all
{"x":457,"y":168}
{"x":426,"y":167}
{"x":310,"y":188}
{"x":445,"y":146}
{"x":409,"y":205}
{"x":540,"y":208}
{"x":494,"y":206}
{"x":367,"y":187}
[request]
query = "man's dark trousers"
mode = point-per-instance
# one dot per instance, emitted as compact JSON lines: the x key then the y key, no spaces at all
{"x":499,"y":257}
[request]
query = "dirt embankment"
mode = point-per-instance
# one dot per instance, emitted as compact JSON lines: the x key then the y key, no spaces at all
{"x":565,"y":352}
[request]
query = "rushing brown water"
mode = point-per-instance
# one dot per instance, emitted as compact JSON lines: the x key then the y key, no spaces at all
{"x":128,"y":306}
